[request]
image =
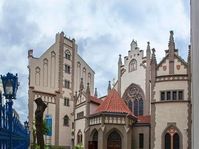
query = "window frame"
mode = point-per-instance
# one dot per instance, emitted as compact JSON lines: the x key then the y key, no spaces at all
{"x":67,"y":55}
{"x":66,"y":120}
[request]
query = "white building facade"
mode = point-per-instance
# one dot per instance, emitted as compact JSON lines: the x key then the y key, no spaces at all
{"x":55,"y":77}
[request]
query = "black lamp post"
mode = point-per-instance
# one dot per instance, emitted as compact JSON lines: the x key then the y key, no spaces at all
{"x":10,"y":86}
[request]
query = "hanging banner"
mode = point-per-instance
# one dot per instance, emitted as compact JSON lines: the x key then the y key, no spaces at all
{"x":49,"y":124}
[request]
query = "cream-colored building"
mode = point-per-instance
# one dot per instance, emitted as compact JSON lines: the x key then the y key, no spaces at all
{"x":157,"y":108}
{"x":195,"y":71}
{"x":149,"y":106}
{"x":55,"y":77}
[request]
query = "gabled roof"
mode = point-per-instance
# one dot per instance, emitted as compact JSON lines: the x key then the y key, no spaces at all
{"x":113,"y":103}
{"x":146,"y":119}
{"x":95,"y":100}
{"x":177,"y":56}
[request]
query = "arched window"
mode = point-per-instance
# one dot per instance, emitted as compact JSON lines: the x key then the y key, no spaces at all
{"x":130,"y":105}
{"x":133,"y":65}
{"x":167,"y":141}
{"x":68,"y":55}
{"x":136,"y":107}
{"x":172,"y":138}
{"x":135,"y":94}
{"x":176,"y":141}
{"x":141,"y":107}
{"x":79,"y":137}
{"x":66,"y":120}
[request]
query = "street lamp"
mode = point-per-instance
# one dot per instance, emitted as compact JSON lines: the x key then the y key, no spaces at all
{"x":10,"y":86}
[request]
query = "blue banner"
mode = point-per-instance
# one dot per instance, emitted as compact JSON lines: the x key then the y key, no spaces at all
{"x":49,"y":124}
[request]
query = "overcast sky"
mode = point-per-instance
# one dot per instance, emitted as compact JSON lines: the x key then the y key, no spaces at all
{"x":103,"y":29}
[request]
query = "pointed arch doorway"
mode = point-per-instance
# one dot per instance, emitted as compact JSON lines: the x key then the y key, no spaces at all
{"x":114,"y":141}
{"x":94,"y":143}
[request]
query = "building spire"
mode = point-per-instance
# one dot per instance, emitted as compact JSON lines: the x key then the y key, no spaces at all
{"x":120,"y":60}
{"x":148,"y":50}
{"x":81,"y":85}
{"x":109,"y":86}
{"x":88,"y":89}
{"x":95,"y":92}
{"x":171,"y":42}
{"x":153,"y":56}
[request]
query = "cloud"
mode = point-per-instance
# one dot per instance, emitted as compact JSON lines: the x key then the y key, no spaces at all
{"x":102,"y":29}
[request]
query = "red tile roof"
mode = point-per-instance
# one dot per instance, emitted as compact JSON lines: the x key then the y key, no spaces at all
{"x":114,"y":103}
{"x":95,"y":100}
{"x":144,"y":119}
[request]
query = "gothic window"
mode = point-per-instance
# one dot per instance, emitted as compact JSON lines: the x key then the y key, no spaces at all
{"x":130,"y":105}
{"x":167,"y":141}
{"x":171,"y":138}
{"x":67,"y":69}
{"x":141,"y":104}
{"x":79,"y":137}
{"x":132,"y":65}
{"x":134,"y":98}
{"x":136,"y":107}
{"x":67,"y":84}
{"x":66,"y":101}
{"x":67,"y":55}
{"x":176,"y":141}
{"x":66,"y":120}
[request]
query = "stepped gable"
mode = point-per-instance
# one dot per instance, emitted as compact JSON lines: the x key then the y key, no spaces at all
{"x":113,"y":103}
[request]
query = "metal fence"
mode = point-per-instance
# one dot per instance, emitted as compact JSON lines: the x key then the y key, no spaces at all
{"x":13,"y":135}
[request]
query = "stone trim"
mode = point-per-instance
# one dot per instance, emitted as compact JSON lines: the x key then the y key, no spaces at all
{"x":167,"y":101}
{"x":172,"y":78}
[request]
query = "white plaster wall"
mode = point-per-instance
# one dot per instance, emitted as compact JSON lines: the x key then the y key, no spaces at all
{"x":80,"y":123}
{"x":137,"y":76}
{"x":93,"y":108}
{"x":79,"y":74}
{"x":169,"y":112}
{"x":161,"y":71}
{"x":171,"y":85}
{"x":182,"y":70}
{"x":52,"y":72}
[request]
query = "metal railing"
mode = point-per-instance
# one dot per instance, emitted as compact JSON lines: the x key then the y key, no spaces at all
{"x":13,"y":134}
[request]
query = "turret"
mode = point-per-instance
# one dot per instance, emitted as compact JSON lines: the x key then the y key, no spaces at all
{"x":95,"y":92}
{"x":148,"y":75}
{"x":119,"y":74}
{"x":109,"y":87}
{"x":171,"y":47}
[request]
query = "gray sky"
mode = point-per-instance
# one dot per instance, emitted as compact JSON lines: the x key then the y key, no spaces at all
{"x":104,"y":28}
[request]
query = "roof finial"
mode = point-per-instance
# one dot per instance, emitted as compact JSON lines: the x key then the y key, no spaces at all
{"x":120,"y":60}
{"x":95,"y":92}
{"x":148,"y":50}
{"x":109,"y":86}
{"x":153,"y":55}
{"x":88,"y":89}
{"x":171,"y":41}
{"x":81,"y":85}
